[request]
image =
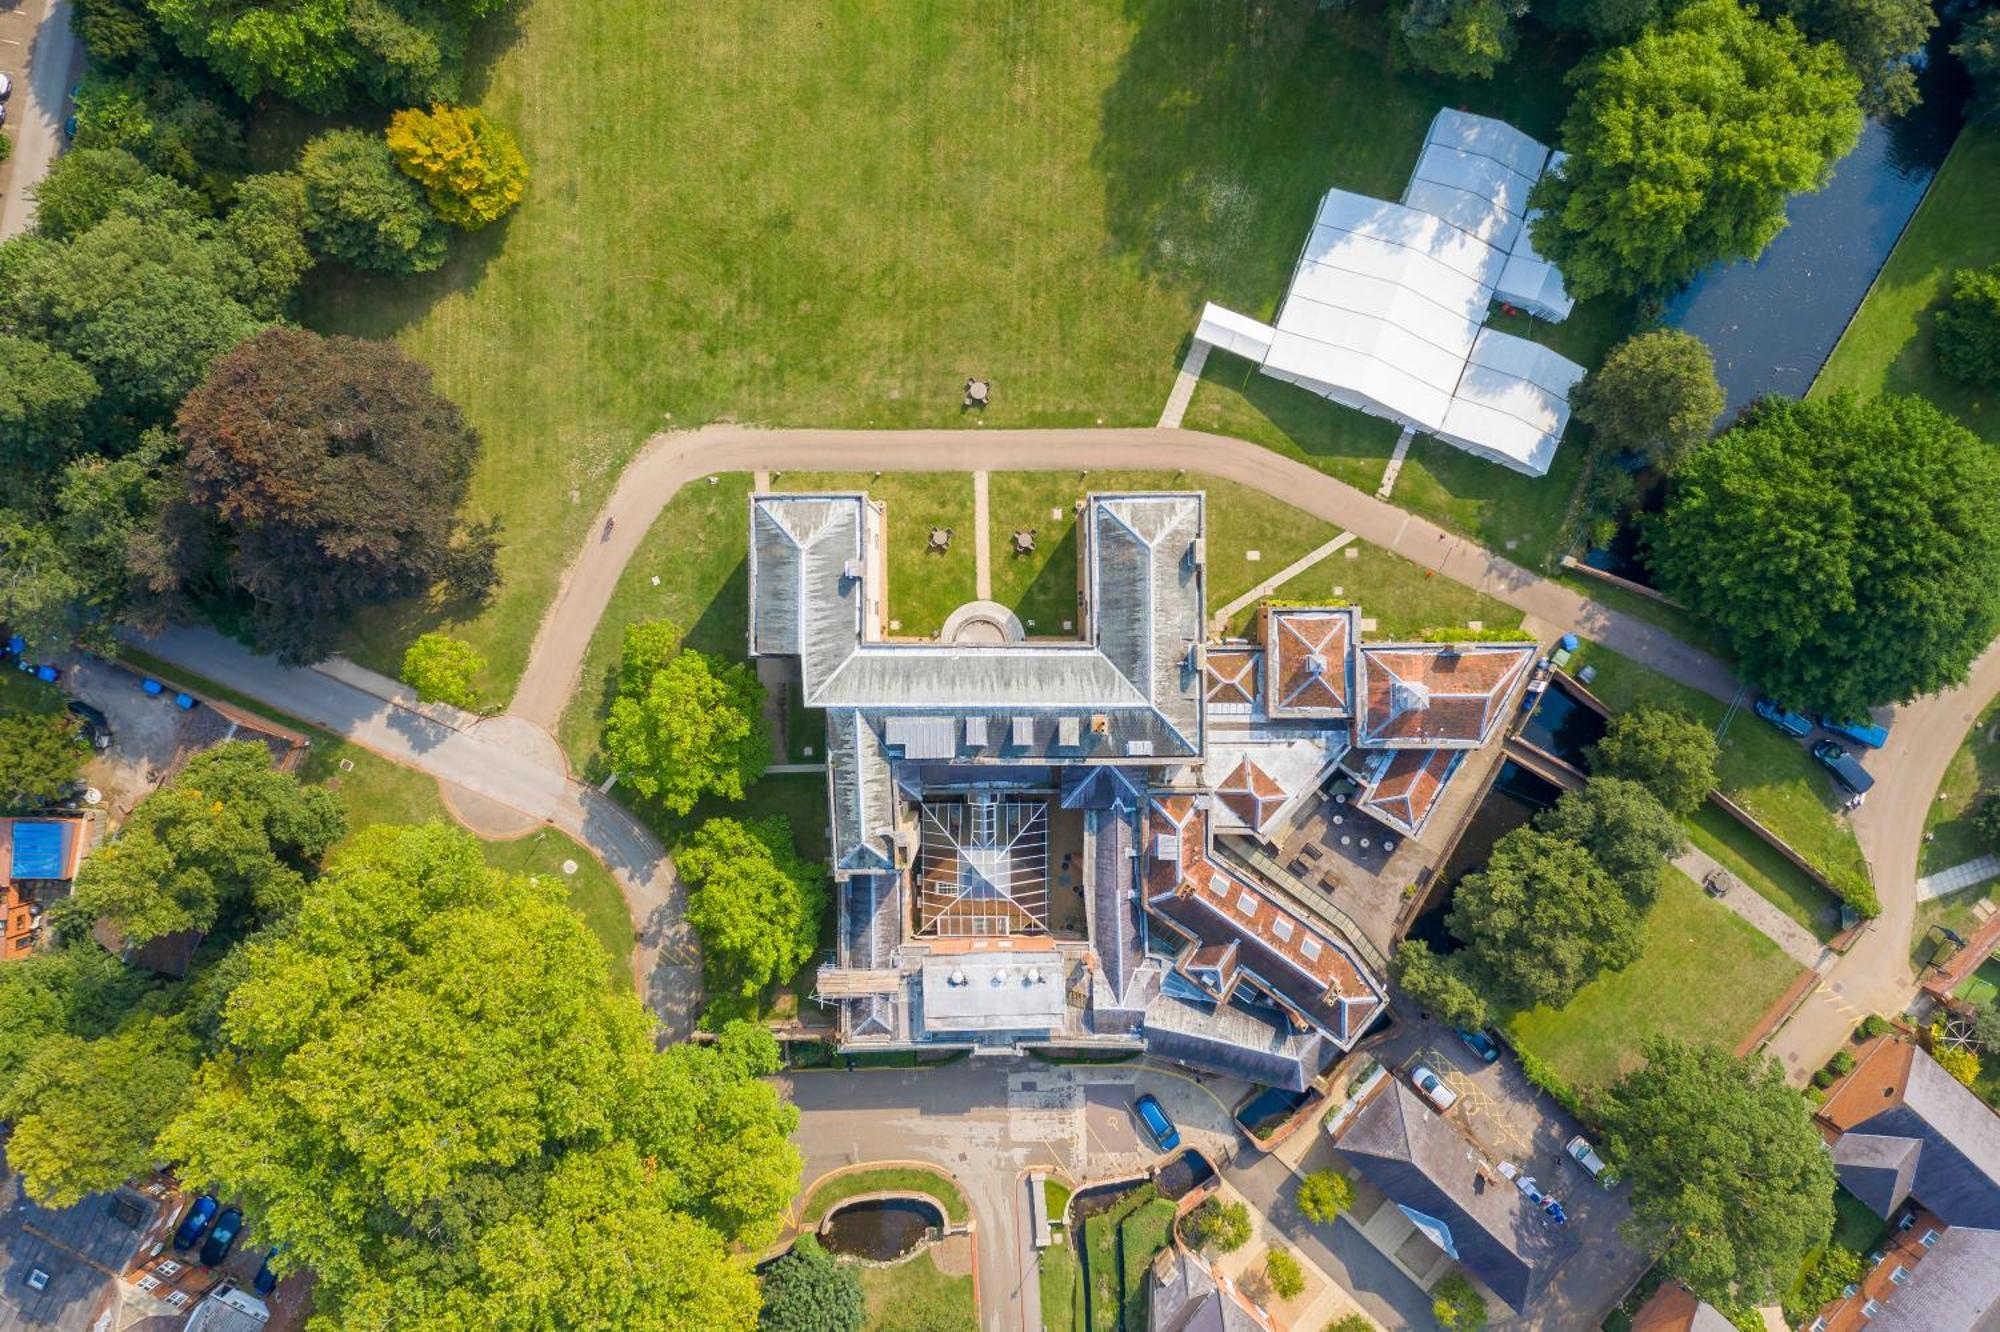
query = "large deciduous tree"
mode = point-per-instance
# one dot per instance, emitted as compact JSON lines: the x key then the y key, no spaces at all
{"x":1466,"y":38}
{"x":426,"y":1076}
{"x":1967,"y":328}
{"x":1848,"y":548}
{"x":1624,"y":827}
{"x":1880,"y":39}
{"x":229,"y":833}
{"x":1729,"y":1180}
{"x":807,"y":1290}
{"x":684,"y":724}
{"x":1668,"y":753}
{"x":471,"y":169}
{"x":87,"y":185}
{"x":443,"y":669}
{"x":1542,"y":919}
{"x":321,"y":475}
{"x":1439,"y":985}
{"x":39,"y":758}
{"x":44,"y":395}
{"x":1685,"y":145}
{"x":756,"y":903}
{"x":362,"y":210}
{"x":1654,"y":398}
{"x":1978,"y":49}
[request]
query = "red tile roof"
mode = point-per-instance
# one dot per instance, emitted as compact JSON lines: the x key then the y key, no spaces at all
{"x":1450,"y":695}
{"x":1252,"y":794}
{"x":1407,"y":788}
{"x":1232,"y":674}
{"x":1306,"y":653}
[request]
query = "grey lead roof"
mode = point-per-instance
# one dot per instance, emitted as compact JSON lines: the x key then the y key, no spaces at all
{"x":1956,"y":1288}
{"x":1957,"y":1173}
{"x":1226,"y":1040}
{"x":861,"y":791}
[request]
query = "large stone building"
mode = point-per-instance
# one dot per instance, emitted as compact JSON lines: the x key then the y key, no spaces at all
{"x":1043,"y":842}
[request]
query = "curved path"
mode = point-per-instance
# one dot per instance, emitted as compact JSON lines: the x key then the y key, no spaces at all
{"x":1873,"y":977}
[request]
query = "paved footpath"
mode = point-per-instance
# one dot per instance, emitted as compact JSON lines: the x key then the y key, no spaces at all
{"x":1797,"y":941}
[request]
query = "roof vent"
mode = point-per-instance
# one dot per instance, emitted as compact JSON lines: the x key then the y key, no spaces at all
{"x":1315,"y":663}
{"x":957,"y":976}
{"x":1309,"y":948}
{"x":1024,"y":732}
{"x":975,"y":732}
{"x":1034,"y":976}
{"x":1000,"y":976}
{"x":1069,"y":732}
{"x":1409,"y":696}
{"x":851,"y":570}
{"x":1167,"y":846}
{"x":1282,"y":928}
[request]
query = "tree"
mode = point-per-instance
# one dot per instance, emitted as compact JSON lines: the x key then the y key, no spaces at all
{"x":145,"y":303}
{"x":161,"y":113}
{"x":267,"y":227}
{"x":77,"y":991}
{"x":1849,"y":549}
{"x":471,"y":170}
{"x":1223,"y":1226}
{"x":1464,"y":38}
{"x":443,"y":669}
{"x":1654,"y":398}
{"x":1986,"y":1027}
{"x":1986,"y":819}
{"x":321,"y":475}
{"x":87,"y":185}
{"x":1729,"y":1180}
{"x":1685,"y":145}
{"x":1978,"y":49}
{"x":39,"y":758}
{"x":44,"y":396}
{"x":1542,"y":919}
{"x":1610,"y":21}
{"x":1880,"y":38}
{"x":362,"y":210}
{"x":543,"y":1121}
{"x":1353,"y":1322}
{"x":1968,"y":327}
{"x":102,"y":505}
{"x":87,"y":1113}
{"x":684,"y":724}
{"x":1282,"y":1270}
{"x":756,"y":904}
{"x":1624,"y":827}
{"x":230,"y":833}
{"x":807,"y":1291}
{"x":1960,"y":1062}
{"x":1457,"y":1306}
{"x":1439,"y":985}
{"x":1324,"y":1195}
{"x":1668,"y":753}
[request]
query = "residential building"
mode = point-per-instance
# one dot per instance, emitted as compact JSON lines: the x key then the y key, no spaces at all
{"x":1675,"y":1308}
{"x":1923,"y":1152}
{"x":38,"y":860}
{"x":1043,"y":842}
{"x":1183,"y":1295}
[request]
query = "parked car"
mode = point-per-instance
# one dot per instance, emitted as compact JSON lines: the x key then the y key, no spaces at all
{"x":195,"y":1222}
{"x":1846,"y":769}
{"x":1795,"y":724}
{"x":96,"y":726}
{"x":1165,"y":1136}
{"x":1585,"y":1155}
{"x":1480,"y":1044}
{"x":223,"y":1238}
{"x":1432,"y":1087}
{"x":6,"y":87}
{"x":266,"y":1280}
{"x":1864,"y":733}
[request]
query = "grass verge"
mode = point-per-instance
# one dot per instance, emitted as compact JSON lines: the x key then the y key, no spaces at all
{"x":1772,"y":877}
{"x":1059,"y":1277}
{"x":1403,"y":598}
{"x":1974,"y":773}
{"x":914,"y":1296}
{"x":911,"y":1179}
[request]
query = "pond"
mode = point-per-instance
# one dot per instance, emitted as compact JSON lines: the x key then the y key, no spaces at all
{"x":1516,"y":797}
{"x":881,"y":1228}
{"x":1772,"y":323}
{"x":1269,"y":1108}
{"x":1562,"y":726}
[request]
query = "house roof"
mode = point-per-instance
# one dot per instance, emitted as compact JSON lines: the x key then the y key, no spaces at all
{"x":80,"y":1247}
{"x":1954,"y":1287}
{"x":40,"y":849}
{"x":1232,"y":675}
{"x":1675,"y":1308}
{"x":1403,"y":790}
{"x":1309,"y":651}
{"x":1298,"y":964}
{"x":1252,"y":794}
{"x":1437,"y":695}
{"x":1907,"y":1129}
{"x":1224,"y":1039}
{"x":1182,"y":1296}
{"x":1408,"y":1151}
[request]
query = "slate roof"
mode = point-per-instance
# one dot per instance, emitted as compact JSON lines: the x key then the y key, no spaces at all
{"x":1437,"y":695}
{"x":1408,"y":1151}
{"x":1117,"y":930}
{"x":1309,"y":652}
{"x":1296,"y":963}
{"x":1225,"y":1040}
{"x":1897,"y":1094}
{"x":1181,"y":1296}
{"x":1955,"y":1288}
{"x":1404,"y":790}
{"x":78,"y":1246}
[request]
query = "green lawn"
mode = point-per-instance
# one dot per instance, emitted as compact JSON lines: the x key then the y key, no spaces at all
{"x":1950,"y":838}
{"x":1703,"y":974}
{"x":913,"y":1179}
{"x":1774,"y":878}
{"x":1141,"y":1235}
{"x":1404,"y":599}
{"x":1681,"y":624}
{"x":1062,"y":1288}
{"x":831,"y":214}
{"x":1761,"y":769}
{"x":914,"y":1296}
{"x":924,"y":585}
{"x":1887,"y":347}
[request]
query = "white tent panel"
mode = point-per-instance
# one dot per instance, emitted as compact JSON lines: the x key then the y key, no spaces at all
{"x":1532,"y":283}
{"x":1373,"y":335}
{"x":1229,"y":331}
{"x":1507,"y":354}
{"x":1410,"y":229}
{"x":1473,"y":193}
{"x":1488,"y":138}
{"x":1452,"y":328}
{"x":1359,"y":378}
{"x":1512,"y":403}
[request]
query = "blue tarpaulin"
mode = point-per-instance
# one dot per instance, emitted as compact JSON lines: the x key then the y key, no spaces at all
{"x":38,"y":851}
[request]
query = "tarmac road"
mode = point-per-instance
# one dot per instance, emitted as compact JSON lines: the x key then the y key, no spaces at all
{"x":35,"y":112}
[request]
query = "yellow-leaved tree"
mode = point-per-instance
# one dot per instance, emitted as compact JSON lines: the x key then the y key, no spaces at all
{"x":471,"y":168}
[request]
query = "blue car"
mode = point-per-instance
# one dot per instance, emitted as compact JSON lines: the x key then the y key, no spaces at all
{"x":266,"y":1280}
{"x":223,"y":1238}
{"x":1165,"y":1136}
{"x":1796,"y":725}
{"x":1861,"y":732}
{"x":195,"y":1222}
{"x":1480,"y":1044}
